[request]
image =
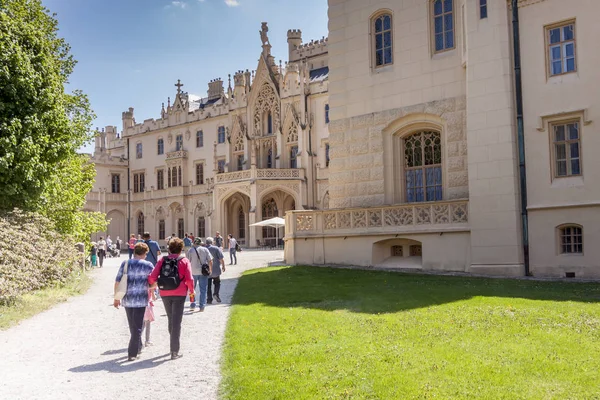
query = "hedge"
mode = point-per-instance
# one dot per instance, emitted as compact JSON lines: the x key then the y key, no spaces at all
{"x":32,"y":255}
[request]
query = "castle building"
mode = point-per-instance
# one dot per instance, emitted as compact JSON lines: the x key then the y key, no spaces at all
{"x":223,"y":162}
{"x":425,"y":108}
{"x":424,"y":134}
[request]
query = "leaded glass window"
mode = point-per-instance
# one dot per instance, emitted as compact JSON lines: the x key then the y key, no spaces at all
{"x":423,"y":167}
{"x":220,"y":166}
{"x":571,"y":240}
{"x":160,"y":179}
{"x":179,"y":143}
{"x":138,"y":150}
{"x":383,"y":40}
{"x":294,"y":157}
{"x":116,"y":183}
{"x":567,"y":149}
{"x":561,"y":49}
{"x":199,"y":174}
{"x":199,"y":139}
{"x":160,"y":147}
{"x":443,"y":25}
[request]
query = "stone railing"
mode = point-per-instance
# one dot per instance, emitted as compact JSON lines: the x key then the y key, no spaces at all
{"x":234,"y":176}
{"x":92,"y":196}
{"x":137,"y":196}
{"x":175,"y":191}
{"x":253,"y":173}
{"x":116,"y":197}
{"x":435,"y":216}
{"x":173,"y":155}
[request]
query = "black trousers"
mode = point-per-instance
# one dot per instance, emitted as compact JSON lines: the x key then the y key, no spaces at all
{"x":217,"y":282}
{"x":174,"y":307}
{"x":101,"y":255}
{"x":135,"y":318}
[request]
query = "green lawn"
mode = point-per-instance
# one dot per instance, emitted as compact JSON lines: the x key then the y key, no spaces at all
{"x":321,"y":333}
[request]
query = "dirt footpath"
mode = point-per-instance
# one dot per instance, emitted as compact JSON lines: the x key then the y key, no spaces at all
{"x":78,"y":349}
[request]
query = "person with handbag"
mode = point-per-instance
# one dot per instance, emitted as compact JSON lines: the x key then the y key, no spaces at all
{"x":131,"y":291}
{"x":201,"y":260}
{"x":173,"y":274}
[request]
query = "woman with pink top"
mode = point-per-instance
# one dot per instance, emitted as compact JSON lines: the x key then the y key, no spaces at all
{"x":131,"y":245}
{"x":174,"y":300}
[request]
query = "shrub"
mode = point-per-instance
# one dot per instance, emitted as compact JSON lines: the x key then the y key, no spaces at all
{"x":32,"y":255}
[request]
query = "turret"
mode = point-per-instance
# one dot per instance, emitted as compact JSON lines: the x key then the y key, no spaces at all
{"x":294,"y":40}
{"x":128,"y":120}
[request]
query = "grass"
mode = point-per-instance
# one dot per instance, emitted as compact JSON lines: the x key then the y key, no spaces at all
{"x":38,"y":301}
{"x":320,"y":333}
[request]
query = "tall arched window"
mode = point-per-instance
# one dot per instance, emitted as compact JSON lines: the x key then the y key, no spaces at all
{"x":241,"y":223}
{"x":173,"y":176}
{"x":270,"y":158}
{"x":140,"y":223}
{"x":423,"y":166}
{"x":382,"y":35}
{"x":160,"y":146}
{"x":270,"y":123}
{"x":443,"y":25}
{"x":201,"y":227}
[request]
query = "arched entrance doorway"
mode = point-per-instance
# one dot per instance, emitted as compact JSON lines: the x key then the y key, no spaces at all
{"x":274,"y":204}
{"x":235,"y":217}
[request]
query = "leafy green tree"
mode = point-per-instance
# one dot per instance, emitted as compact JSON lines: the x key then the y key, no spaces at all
{"x":41,"y":126}
{"x":64,"y":197}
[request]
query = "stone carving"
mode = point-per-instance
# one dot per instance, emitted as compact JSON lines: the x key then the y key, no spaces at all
{"x":359,"y":219}
{"x":398,"y":216}
{"x":304,"y":222}
{"x":292,"y":135}
{"x":423,"y":215}
{"x":375,"y":218}
{"x":344,"y":220}
{"x":263,"y":34}
{"x":460,"y":213}
{"x":170,"y":138}
{"x":234,"y":176}
{"x":330,"y":221}
{"x":441,"y":214}
{"x":173,"y":155}
{"x":266,"y":101}
{"x":272,"y":173}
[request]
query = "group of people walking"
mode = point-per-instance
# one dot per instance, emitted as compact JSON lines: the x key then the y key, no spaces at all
{"x":198,"y":265}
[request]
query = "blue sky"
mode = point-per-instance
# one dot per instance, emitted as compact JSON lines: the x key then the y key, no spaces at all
{"x":130,"y":53}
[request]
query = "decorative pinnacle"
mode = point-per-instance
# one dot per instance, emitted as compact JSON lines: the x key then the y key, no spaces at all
{"x":178,"y":85}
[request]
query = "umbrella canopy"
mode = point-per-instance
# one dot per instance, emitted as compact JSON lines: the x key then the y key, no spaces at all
{"x":273,"y":222}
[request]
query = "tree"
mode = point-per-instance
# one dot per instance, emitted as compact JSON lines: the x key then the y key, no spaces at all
{"x":41,"y":126}
{"x":64,"y":197}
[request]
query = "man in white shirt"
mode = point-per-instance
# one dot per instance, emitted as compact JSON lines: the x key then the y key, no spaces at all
{"x":198,"y":256}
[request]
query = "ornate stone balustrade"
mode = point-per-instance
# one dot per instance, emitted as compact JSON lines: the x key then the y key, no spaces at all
{"x":174,"y":155}
{"x":251,"y":174}
{"x":234,"y":176}
{"x":435,"y":216}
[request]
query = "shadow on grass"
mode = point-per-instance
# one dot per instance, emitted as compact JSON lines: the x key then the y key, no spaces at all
{"x":121,"y":365}
{"x":387,"y":292}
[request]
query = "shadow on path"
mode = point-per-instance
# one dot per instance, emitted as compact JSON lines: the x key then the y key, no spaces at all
{"x":121,"y":365}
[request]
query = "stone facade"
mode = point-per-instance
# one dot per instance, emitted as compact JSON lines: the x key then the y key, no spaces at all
{"x":458,"y":88}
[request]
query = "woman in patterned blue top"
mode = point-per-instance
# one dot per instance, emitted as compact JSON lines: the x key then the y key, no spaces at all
{"x":136,"y":297}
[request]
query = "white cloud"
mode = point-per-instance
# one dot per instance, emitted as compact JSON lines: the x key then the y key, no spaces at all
{"x":232,"y":3}
{"x":193,"y":97}
{"x":177,"y":4}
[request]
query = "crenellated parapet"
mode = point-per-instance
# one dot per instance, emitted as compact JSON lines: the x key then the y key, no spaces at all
{"x":310,"y":49}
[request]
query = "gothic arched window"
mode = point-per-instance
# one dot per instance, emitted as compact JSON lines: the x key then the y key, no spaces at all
{"x":140,"y":223}
{"x":383,"y":37}
{"x":423,"y":166}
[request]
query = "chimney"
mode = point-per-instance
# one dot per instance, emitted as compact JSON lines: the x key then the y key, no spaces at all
{"x":215,"y":89}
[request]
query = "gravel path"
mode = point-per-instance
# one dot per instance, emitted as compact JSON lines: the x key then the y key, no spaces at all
{"x":78,"y":349}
